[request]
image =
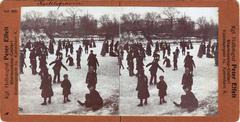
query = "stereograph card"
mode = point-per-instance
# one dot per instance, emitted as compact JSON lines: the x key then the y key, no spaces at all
{"x":119,"y":60}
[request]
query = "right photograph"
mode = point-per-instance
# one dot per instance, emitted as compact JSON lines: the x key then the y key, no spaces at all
{"x":168,"y":61}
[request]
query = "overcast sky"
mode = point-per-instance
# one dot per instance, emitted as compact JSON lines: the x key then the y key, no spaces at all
{"x":97,"y":12}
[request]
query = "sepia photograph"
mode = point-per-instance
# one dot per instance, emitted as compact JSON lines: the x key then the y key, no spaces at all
{"x":126,"y":61}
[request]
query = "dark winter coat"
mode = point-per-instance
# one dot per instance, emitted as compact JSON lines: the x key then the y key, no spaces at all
{"x":66,"y":85}
{"x":51,"y":48}
{"x":91,"y":59}
{"x":187,"y":80}
{"x":189,"y":63}
{"x":142,"y":87}
{"x":200,"y":51}
{"x":167,"y":61}
{"x":189,"y":101}
{"x":94,"y":100}
{"x":162,"y":86}
{"x":130,"y":60}
{"x":58,"y":65}
{"x":148,"y":49}
{"x":70,"y":59}
{"x":46,"y":87}
{"x":154,"y":67}
{"x":103,"y":51}
{"x":91,"y":79}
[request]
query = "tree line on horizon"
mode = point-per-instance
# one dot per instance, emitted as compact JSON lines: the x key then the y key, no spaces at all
{"x":76,"y":24}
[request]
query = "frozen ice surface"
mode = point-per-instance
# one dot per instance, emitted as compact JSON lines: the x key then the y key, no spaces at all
{"x":205,"y":88}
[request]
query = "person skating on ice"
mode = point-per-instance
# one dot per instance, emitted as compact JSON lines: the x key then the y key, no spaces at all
{"x":162,"y":89}
{"x":142,"y":88}
{"x":66,"y":85}
{"x":153,"y":71}
{"x":57,"y":68}
{"x":187,"y":79}
{"x":91,"y":79}
{"x":46,"y":87}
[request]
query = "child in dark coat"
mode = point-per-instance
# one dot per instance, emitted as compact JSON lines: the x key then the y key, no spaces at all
{"x":66,"y":85}
{"x":70,"y":60}
{"x":162,"y":86}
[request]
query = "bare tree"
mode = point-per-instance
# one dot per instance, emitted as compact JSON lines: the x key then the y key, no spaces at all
{"x":54,"y":18}
{"x":171,"y":14}
{"x":33,"y":19}
{"x":73,"y":14}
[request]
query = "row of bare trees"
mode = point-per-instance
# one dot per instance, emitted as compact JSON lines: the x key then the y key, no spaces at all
{"x":74,"y":23}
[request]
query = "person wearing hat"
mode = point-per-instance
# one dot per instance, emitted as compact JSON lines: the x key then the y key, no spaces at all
{"x":175,"y":60}
{"x":153,"y":70}
{"x":92,"y":61}
{"x":91,"y":78}
{"x":189,"y":62}
{"x":187,"y":80}
{"x":66,"y":85}
{"x":142,"y":88}
{"x":188,"y":101}
{"x":46,"y":87}
{"x":57,"y":68}
{"x":162,"y":92}
{"x":177,"y":51}
{"x":93,"y":99}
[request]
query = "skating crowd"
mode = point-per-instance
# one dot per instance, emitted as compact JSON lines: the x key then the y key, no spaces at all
{"x":136,"y":52}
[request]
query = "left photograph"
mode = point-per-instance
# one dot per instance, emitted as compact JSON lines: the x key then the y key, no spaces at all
{"x":68,"y":61}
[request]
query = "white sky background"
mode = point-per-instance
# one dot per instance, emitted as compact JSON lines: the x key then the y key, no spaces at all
{"x":193,"y":12}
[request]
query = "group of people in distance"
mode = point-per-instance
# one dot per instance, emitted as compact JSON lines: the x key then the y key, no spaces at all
{"x":40,"y":50}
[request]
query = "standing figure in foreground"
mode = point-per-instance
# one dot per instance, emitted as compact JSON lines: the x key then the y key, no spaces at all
{"x":162,"y":86}
{"x":142,"y":88}
{"x":46,"y":87}
{"x":66,"y":85}
{"x":187,"y":80}
{"x":91,"y":78}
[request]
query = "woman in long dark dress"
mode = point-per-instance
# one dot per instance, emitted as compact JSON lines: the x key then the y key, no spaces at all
{"x":46,"y":87}
{"x":104,"y":51}
{"x":142,"y":88}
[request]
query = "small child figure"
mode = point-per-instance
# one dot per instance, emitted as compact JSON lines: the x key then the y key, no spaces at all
{"x":66,"y":85}
{"x":162,"y":86}
{"x":70,"y":60}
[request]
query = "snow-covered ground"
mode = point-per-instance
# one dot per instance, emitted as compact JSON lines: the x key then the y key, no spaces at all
{"x":108,"y":86}
{"x":205,"y":88}
{"x":111,"y":86}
